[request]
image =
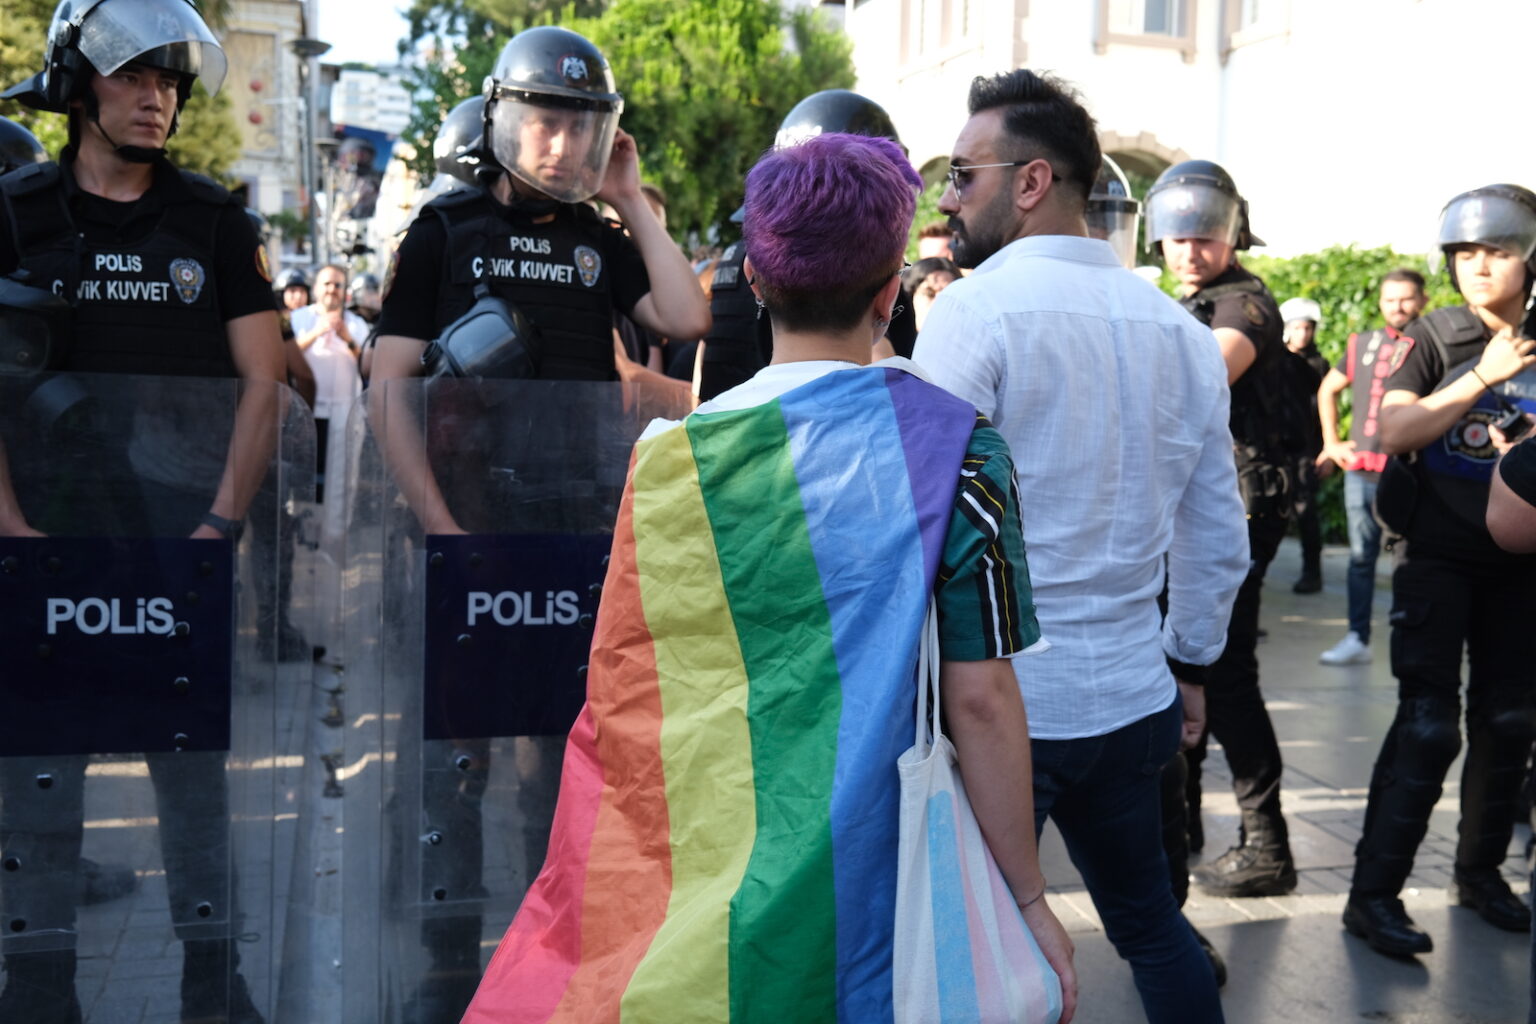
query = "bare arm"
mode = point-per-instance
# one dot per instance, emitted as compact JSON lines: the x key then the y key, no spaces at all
{"x":399,"y":432}
{"x":299,"y":374}
{"x":1409,"y":421}
{"x":256,"y":346}
{"x":1237,"y":350}
{"x":12,"y":522}
{"x":987,"y":722}
{"x":1511,"y":519}
{"x":1334,"y":448}
{"x":674,"y":307}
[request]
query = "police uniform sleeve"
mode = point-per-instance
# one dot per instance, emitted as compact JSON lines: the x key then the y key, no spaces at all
{"x":244,"y":279}
{"x":1245,"y":312}
{"x":630,"y":281}
{"x":986,"y":608}
{"x":1518,"y":470}
{"x":1416,"y":365}
{"x":410,"y":292}
{"x":9,"y":258}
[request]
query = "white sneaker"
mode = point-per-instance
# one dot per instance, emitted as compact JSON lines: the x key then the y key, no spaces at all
{"x":1349,"y":651}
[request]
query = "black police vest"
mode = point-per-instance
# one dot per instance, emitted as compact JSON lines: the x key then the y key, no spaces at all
{"x":1458,"y":465}
{"x":146,"y":305}
{"x":1264,"y":428}
{"x":739,"y":342}
{"x":555,"y":273}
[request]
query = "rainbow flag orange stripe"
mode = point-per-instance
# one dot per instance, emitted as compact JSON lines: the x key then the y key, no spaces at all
{"x":725,"y":842}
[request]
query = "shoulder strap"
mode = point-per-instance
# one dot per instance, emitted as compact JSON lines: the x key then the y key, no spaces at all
{"x":33,"y":221}
{"x":1251,"y":286}
{"x":206,"y":189}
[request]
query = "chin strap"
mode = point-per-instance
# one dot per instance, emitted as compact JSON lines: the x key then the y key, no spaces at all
{"x":132,"y":154}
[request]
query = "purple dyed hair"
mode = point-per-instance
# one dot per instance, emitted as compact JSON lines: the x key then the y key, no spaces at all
{"x":826,"y":225}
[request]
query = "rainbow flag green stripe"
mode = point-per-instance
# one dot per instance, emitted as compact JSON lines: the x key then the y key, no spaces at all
{"x":724,"y":847}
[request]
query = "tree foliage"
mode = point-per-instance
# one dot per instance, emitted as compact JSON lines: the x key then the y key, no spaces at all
{"x":705,"y":85}
{"x":208,"y":140}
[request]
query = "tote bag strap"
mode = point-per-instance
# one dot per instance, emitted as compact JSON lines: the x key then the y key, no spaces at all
{"x":928,"y":683}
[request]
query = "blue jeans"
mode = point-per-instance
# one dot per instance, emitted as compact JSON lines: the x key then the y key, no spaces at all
{"x":1102,"y":792}
{"x":1364,"y":546}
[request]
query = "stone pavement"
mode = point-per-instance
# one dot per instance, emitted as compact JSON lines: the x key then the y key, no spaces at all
{"x":1289,"y":958}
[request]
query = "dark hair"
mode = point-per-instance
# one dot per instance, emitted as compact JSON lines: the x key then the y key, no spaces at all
{"x":654,"y":194}
{"x":1043,"y":117}
{"x":913,"y":277}
{"x":935,"y":229}
{"x":1413,"y":277}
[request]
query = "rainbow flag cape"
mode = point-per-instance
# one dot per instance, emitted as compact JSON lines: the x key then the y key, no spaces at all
{"x":724,"y":847}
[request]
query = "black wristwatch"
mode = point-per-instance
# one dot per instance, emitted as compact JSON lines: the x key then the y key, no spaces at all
{"x":230,"y":528}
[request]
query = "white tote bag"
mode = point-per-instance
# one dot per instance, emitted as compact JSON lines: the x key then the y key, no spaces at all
{"x":962,"y":949}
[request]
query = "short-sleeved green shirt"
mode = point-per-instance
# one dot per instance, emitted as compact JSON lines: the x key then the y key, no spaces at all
{"x":986,"y":607}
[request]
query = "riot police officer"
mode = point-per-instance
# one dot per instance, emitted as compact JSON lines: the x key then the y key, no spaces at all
{"x":1196,"y":213}
{"x":1461,"y":385}
{"x":18,"y":147}
{"x":551,"y":125}
{"x":1113,"y":213}
{"x":113,"y":209}
{"x":740,"y":341}
{"x":517,"y":278}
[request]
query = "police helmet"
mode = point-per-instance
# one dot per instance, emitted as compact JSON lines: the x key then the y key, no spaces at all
{"x":292,"y":278}
{"x":1501,"y":216}
{"x":259,"y":225}
{"x":1198,"y":199}
{"x":103,"y":35}
{"x":551,"y":112}
{"x":356,"y":154}
{"x":1301,"y":309}
{"x":457,"y":146}
{"x":1113,"y":213}
{"x":18,"y":147}
{"x":835,"y":110}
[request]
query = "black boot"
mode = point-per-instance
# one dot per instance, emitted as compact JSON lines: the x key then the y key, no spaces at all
{"x":1485,"y":891}
{"x":212,"y":990}
{"x":1259,"y":865}
{"x":1383,"y":923}
{"x":1309,"y":582}
{"x":100,"y":883}
{"x":1405,"y":784}
{"x":1491,"y":778}
{"x":40,"y":988}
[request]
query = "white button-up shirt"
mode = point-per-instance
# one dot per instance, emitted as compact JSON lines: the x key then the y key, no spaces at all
{"x":1115,"y":403}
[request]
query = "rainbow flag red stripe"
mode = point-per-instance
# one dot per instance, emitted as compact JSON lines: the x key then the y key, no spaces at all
{"x":725,"y":842}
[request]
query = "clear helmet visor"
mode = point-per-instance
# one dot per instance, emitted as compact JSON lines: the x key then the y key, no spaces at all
{"x":1487,"y":218}
{"x":1193,"y":210}
{"x":1115,"y":221}
{"x":556,"y":145}
{"x":163,"y":33}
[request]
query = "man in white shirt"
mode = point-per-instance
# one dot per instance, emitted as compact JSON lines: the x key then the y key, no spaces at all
{"x":1115,"y":404}
{"x":330,"y":335}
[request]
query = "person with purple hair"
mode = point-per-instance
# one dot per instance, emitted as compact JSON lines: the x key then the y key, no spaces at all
{"x":896,"y":494}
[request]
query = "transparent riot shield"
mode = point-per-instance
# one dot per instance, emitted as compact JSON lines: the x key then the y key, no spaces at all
{"x":143,"y":715}
{"x":466,"y":661}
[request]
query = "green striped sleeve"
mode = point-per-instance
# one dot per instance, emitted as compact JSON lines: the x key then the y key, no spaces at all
{"x":986,"y":609}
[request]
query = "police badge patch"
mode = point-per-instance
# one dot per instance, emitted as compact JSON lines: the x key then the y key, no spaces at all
{"x":1252,"y":311}
{"x":588,"y":264}
{"x":573,"y":68}
{"x":188,"y":277}
{"x":263,"y":265}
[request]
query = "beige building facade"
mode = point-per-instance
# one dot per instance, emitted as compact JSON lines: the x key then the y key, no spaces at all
{"x":1342,"y":121}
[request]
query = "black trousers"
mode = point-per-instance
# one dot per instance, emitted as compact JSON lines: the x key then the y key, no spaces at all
{"x":1234,"y":705}
{"x":1442,"y":605}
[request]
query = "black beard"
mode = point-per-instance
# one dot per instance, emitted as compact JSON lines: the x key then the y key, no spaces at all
{"x":972,"y":248}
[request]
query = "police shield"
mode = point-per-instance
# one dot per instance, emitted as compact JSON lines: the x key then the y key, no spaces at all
{"x":480,"y":529}
{"x":143,"y":701}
